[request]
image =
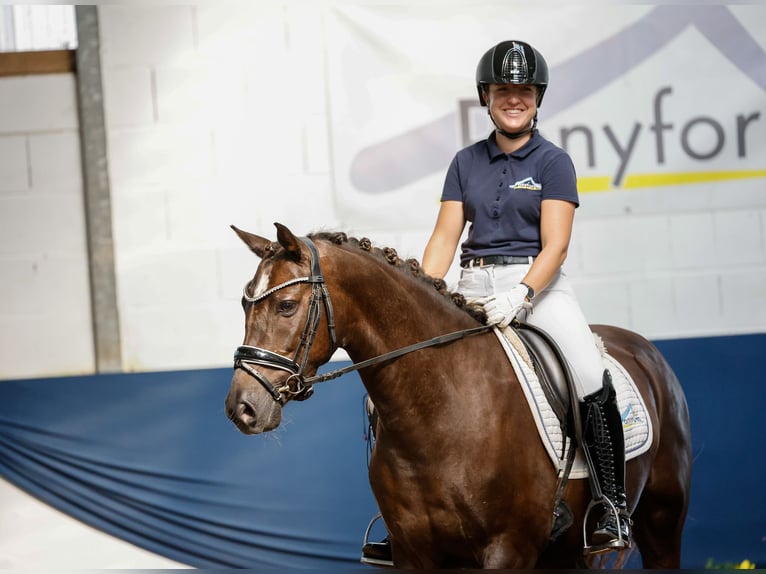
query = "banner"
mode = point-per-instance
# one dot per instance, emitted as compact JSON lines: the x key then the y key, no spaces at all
{"x":665,"y":100}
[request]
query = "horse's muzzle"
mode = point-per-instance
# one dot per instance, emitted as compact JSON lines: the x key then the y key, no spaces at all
{"x":252,"y":412}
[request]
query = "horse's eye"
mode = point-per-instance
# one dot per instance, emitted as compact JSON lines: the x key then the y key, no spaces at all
{"x":287,"y":307}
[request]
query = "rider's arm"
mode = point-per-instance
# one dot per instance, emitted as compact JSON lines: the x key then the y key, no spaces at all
{"x":556,"y":218}
{"x":441,"y":247}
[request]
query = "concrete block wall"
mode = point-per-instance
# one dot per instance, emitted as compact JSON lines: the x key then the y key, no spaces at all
{"x":45,"y":317}
{"x":694,"y":269}
{"x":216,"y":116}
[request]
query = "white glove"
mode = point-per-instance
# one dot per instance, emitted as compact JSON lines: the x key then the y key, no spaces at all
{"x":502,"y":308}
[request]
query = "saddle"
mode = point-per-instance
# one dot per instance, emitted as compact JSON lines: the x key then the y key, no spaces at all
{"x":553,"y":373}
{"x":556,"y":381}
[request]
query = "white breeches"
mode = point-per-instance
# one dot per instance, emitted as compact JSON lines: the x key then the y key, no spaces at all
{"x":555,"y":310}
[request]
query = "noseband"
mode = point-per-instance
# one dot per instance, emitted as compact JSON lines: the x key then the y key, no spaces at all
{"x":247,"y":355}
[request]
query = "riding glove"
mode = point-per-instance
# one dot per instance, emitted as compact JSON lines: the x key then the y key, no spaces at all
{"x":502,"y":308}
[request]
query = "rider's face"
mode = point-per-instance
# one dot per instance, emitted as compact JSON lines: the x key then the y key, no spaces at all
{"x":513,"y":106}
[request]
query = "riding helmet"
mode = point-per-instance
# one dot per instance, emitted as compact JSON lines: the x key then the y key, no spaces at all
{"x":512,"y":62}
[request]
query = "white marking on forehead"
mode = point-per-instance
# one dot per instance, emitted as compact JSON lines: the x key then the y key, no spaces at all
{"x":261,"y":286}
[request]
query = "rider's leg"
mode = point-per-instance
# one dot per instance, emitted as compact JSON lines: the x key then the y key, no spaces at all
{"x":556,"y":311}
{"x":603,"y":438}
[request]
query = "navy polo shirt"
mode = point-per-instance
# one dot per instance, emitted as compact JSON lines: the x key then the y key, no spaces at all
{"x":502,"y":193}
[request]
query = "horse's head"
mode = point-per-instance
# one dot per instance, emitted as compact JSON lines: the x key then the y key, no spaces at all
{"x":283,"y":304}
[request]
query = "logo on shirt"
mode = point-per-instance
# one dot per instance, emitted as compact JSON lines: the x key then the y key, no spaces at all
{"x":527,"y":183}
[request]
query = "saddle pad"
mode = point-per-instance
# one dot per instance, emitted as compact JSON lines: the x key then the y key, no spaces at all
{"x":635,"y":421}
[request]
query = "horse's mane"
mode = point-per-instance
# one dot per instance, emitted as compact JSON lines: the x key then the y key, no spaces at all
{"x":410,"y":266}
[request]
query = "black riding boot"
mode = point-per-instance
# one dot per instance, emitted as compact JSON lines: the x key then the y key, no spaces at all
{"x":604,"y":442}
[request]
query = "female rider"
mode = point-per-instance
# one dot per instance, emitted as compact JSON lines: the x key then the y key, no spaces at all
{"x":519,"y":193}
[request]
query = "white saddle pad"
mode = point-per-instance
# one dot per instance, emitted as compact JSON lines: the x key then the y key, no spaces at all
{"x":636,"y":423}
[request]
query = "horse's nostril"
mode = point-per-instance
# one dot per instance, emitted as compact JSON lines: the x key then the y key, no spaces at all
{"x":246,"y":414}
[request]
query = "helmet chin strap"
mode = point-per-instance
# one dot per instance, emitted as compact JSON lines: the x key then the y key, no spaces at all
{"x":513,"y":135}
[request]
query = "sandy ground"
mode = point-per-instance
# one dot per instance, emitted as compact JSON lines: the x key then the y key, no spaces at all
{"x":35,"y":536}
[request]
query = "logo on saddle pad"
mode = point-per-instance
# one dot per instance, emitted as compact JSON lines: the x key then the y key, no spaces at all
{"x":635,"y":422}
{"x":630,"y":418}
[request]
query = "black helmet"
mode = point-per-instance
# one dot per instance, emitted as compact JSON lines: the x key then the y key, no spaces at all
{"x":512,"y":62}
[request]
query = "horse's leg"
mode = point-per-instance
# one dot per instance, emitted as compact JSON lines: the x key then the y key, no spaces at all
{"x":658,"y":524}
{"x":505,"y":552}
{"x":661,"y":511}
{"x":662,"y":506}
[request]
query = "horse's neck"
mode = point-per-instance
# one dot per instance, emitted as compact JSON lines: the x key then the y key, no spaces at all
{"x":385,"y":309}
{"x":380,"y":309}
{"x":429,"y":387}
{"x":397,"y":319}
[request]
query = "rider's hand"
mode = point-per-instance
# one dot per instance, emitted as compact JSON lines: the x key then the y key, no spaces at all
{"x":502,"y":308}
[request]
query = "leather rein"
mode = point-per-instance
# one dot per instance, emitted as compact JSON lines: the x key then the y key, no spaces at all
{"x":246,"y":355}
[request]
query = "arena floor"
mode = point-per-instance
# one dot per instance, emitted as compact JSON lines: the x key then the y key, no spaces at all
{"x":37,"y":537}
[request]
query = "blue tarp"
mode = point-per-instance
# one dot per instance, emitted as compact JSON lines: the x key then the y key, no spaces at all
{"x":152,"y":459}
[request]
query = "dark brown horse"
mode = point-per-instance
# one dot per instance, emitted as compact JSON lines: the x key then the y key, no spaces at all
{"x":459,"y":473}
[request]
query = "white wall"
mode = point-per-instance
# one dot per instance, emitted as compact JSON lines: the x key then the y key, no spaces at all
{"x":45,"y":322}
{"x":205,"y":131}
{"x":252,"y":113}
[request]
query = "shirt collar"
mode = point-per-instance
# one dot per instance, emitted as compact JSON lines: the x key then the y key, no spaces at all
{"x":531,"y":144}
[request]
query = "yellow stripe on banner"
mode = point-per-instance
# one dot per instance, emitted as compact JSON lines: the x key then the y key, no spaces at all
{"x":592,"y":184}
{"x":635,"y":181}
{"x":660,"y":179}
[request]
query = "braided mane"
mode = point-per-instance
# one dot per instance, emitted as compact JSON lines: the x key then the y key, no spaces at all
{"x":411,"y":266}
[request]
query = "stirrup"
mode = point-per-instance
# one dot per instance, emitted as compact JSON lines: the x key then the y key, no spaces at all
{"x":375,"y":553}
{"x":618,"y":543}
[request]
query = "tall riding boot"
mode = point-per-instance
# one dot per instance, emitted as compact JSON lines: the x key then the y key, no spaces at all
{"x":604,"y":442}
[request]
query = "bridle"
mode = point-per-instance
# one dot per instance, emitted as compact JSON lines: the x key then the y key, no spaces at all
{"x":247,"y":355}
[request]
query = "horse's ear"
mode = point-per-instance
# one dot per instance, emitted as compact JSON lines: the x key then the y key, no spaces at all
{"x":257,"y":244}
{"x":287,"y":240}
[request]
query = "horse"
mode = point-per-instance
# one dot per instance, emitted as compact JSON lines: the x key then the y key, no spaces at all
{"x":458,"y":471}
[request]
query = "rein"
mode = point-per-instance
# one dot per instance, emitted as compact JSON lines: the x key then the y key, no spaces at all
{"x":440,"y":340}
{"x":247,"y":355}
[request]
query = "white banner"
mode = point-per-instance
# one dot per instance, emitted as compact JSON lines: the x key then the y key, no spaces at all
{"x":660,"y":99}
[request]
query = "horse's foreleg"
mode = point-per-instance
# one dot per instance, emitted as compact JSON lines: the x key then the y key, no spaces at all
{"x":503,"y":553}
